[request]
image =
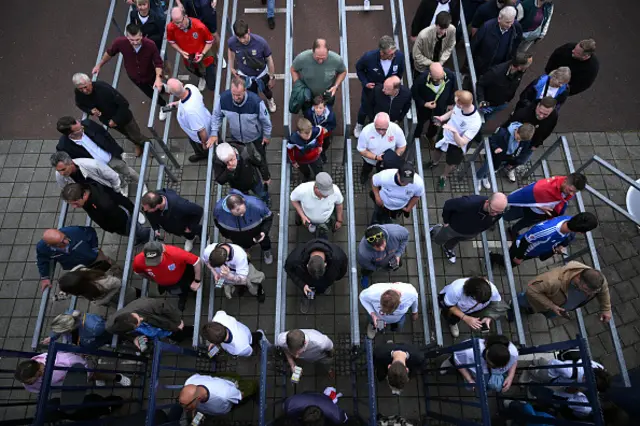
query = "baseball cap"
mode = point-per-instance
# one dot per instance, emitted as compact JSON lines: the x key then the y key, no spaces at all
{"x":153,"y":253}
{"x":406,"y":173}
{"x":324,"y":183}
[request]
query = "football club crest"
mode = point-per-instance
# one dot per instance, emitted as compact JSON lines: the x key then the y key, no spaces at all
{"x":195,"y":35}
{"x":172,"y":267}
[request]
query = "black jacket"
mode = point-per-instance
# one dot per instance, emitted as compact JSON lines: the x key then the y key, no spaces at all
{"x":153,"y":28}
{"x":108,"y":209}
{"x":422,"y":94}
{"x":180,"y":214}
{"x":496,"y":86}
{"x":484,"y":45}
{"x":155,"y":312}
{"x":527,"y":114}
{"x":583,"y":73}
{"x":382,"y":356}
{"x":424,"y":15}
{"x":335,"y":258}
{"x":98,"y":135}
{"x":397,"y":107}
{"x":500,"y":139}
{"x":466,"y":215}
{"x":108,"y":101}
{"x":248,"y":171}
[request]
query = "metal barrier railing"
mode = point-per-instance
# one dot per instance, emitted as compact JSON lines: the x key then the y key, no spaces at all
{"x":503,"y":238}
{"x":139,"y":372}
{"x":467,"y":49}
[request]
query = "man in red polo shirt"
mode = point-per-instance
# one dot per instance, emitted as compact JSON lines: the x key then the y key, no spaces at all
{"x":170,"y":267}
{"x":193,"y":40}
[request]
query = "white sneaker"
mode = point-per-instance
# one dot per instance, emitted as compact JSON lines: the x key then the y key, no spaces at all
{"x":357,"y":130}
{"x":224,"y":63}
{"x":228,"y":291}
{"x":271,"y":105}
{"x":162,"y":115}
{"x":511,"y":175}
{"x":409,"y":115}
{"x":455,"y":331}
{"x":188,"y":245}
{"x":141,"y":219}
{"x":267,"y":256}
{"x":202,"y":84}
{"x":124,"y":381}
{"x":367,"y":5}
{"x":371,"y":331}
{"x":486,"y":183}
{"x":446,"y":364}
{"x":125,"y":190}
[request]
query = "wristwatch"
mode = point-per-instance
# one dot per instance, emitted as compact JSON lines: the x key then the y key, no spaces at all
{"x":198,"y":281}
{"x":272,"y":77}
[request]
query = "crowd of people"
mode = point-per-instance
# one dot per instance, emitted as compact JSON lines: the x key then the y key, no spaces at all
{"x":93,"y":176}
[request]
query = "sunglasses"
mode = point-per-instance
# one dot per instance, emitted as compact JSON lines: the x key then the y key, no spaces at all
{"x":376,"y":237}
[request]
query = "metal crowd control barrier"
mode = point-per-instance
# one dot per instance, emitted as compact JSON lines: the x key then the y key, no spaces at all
{"x":425,"y":209}
{"x":64,"y":208}
{"x":480,"y":399}
{"x":542,"y":162}
{"x":5,"y":355}
{"x":45,"y":405}
{"x":503,"y":238}
{"x":467,"y":49}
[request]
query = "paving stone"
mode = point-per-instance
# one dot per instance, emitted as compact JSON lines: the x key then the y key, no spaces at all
{"x":629,"y":334}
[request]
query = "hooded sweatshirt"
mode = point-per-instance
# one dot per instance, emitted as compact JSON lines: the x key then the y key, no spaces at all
{"x":397,"y":238}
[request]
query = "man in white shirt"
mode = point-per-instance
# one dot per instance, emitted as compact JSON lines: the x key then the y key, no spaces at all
{"x":395,"y":192}
{"x":308,"y":345}
{"x":460,"y":126}
{"x":389,"y":303}
{"x":231,"y":335}
{"x":468,"y":300}
{"x":319,"y":205}
{"x":230,"y":267}
{"x":193,"y":116}
{"x":215,"y":396}
{"x":375,"y":139}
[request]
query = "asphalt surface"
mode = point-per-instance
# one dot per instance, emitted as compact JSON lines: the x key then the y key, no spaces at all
{"x":63,"y":37}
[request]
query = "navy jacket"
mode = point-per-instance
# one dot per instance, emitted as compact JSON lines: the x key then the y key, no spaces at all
{"x":328,"y":120}
{"x":108,"y":101}
{"x":422,"y":94}
{"x":296,"y":404}
{"x":83,"y":250}
{"x":500,"y":139}
{"x":397,"y":107}
{"x":180,"y":213}
{"x":98,"y":134}
{"x":335,"y":258}
{"x":153,"y":28}
{"x":242,"y":229}
{"x":369,"y":69}
{"x":484,"y":45}
{"x":466,"y":215}
{"x":424,"y":15}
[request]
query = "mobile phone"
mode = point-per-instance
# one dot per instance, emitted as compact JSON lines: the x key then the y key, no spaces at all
{"x":142,"y":343}
{"x":485,"y":328}
{"x":297,"y":374}
{"x":168,"y":108}
{"x":220,"y":283}
{"x":312,"y":294}
{"x":197,"y":419}
{"x":435,"y":121}
{"x":213,"y":351}
{"x":393,"y":263}
{"x":380,"y":325}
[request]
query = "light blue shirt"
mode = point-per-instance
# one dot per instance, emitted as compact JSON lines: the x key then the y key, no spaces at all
{"x":94,"y":150}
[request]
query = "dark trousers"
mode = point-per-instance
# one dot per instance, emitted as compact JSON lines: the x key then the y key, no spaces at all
{"x":255,"y":88}
{"x":446,"y":314}
{"x":262,"y":149}
{"x":527,"y":218}
{"x":184,"y":285}
{"x":147,"y":89}
{"x":424,"y":117}
{"x":382,"y":215}
{"x":367,"y":169}
{"x":198,"y":149}
{"x":365,"y":105}
{"x":182,"y":335}
{"x":131,"y":131}
{"x":306,"y":169}
{"x":209,"y":73}
{"x":195,"y":231}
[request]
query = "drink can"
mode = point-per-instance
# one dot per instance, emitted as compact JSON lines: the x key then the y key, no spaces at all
{"x":197,"y":419}
{"x":312,"y":227}
{"x":380,"y":325}
{"x":297,"y":373}
{"x":220,"y":283}
{"x":312,"y":294}
{"x":142,"y":343}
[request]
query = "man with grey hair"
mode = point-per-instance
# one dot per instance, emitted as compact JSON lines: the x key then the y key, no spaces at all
{"x":319,"y":205}
{"x":193,"y":116}
{"x":242,"y":167}
{"x":83,"y":170}
{"x":100,"y":100}
{"x":496,"y":41}
{"x":374,"y":67}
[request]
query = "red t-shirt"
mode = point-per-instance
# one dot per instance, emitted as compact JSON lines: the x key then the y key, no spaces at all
{"x":170,"y":270}
{"x":193,"y":40}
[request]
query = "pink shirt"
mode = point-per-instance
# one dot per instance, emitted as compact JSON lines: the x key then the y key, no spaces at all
{"x":63,"y":359}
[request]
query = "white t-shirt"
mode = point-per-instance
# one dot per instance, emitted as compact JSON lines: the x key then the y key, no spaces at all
{"x":193,"y":115}
{"x":143,"y":19}
{"x":466,"y":357}
{"x":552,"y":91}
{"x":241,"y":335}
{"x":370,"y":300}
{"x":371,"y":140}
{"x":454,"y":296}
{"x":466,"y":125}
{"x":239,"y":262}
{"x":316,"y":344}
{"x":223,"y":394}
{"x":440,"y":8}
{"x":395,"y":196}
{"x":562,"y":373}
{"x":386,"y":64}
{"x":93,"y":149}
{"x":318,"y":210}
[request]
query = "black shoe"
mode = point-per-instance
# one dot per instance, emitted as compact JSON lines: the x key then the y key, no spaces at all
{"x":261,"y":296}
{"x":496,"y":259}
{"x":197,"y":157}
{"x":323,"y":155}
{"x":363,"y":179}
{"x":271,"y":22}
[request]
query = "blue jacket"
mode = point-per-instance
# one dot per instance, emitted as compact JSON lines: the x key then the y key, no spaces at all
{"x":542,"y":238}
{"x":91,"y":331}
{"x":484,"y":45}
{"x":513,"y":152}
{"x":327,"y":120}
{"x":241,"y":229}
{"x":296,"y":404}
{"x":179,"y":214}
{"x":82,"y":250}
{"x":370,"y":70}
{"x":248,"y":121}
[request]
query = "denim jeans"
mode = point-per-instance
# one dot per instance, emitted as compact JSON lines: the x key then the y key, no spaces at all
{"x":261,"y":190}
{"x":526,"y":216}
{"x":271,"y":8}
{"x":523,"y":303}
{"x":143,"y":234}
{"x":399,"y":324}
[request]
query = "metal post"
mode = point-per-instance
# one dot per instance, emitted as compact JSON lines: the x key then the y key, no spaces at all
{"x":50,"y":366}
{"x":505,"y":248}
{"x":352,"y":241}
{"x":543,"y":157}
{"x":116,"y":74}
{"x":262,"y":402}
{"x":346,"y":106}
{"x":481,"y":384}
{"x":407,"y":65}
{"x":371,"y":384}
{"x":283,"y":224}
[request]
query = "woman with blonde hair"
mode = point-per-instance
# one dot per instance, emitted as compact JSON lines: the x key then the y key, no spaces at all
{"x":554,"y":85}
{"x":97,"y":286}
{"x":81,"y":329}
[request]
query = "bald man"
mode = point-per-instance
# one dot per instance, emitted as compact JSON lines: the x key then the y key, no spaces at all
{"x":320,"y":70}
{"x":433,"y":93}
{"x":69,"y":247}
{"x":391,"y":97}
{"x":215,"y":395}
{"x":464,"y":218}
{"x":375,"y":140}
{"x":193,"y":116}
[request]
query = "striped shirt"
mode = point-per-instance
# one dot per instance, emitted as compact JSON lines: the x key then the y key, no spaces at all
{"x":545,"y":236}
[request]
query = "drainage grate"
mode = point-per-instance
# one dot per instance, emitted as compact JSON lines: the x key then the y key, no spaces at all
{"x":344,"y":355}
{"x":460,"y":180}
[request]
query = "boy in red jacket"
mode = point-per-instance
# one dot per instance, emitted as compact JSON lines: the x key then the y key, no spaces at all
{"x":305,"y":147}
